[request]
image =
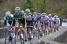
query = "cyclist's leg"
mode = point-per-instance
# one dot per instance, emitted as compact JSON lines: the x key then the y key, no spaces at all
{"x":23,"y":22}
{"x":31,"y":24}
{"x":54,"y":27}
{"x":57,"y":26}
{"x":17,"y":29}
{"x":14,"y":22}
{"x":46,"y":28}
{"x":43,"y":29}
{"x":22,"y":36}
{"x":49,"y":28}
{"x":39,"y":31}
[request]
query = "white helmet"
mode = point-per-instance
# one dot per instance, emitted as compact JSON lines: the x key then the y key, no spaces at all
{"x":56,"y":16}
{"x":43,"y":13}
{"x":27,"y":10}
{"x":49,"y":15}
{"x":7,"y":13}
{"x":17,"y":8}
{"x":35,"y":12}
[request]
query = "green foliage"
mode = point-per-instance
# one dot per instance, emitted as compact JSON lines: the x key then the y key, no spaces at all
{"x":43,"y":6}
{"x":35,"y":5}
{"x":27,"y":4}
{"x":49,"y":6}
{"x":13,"y":10}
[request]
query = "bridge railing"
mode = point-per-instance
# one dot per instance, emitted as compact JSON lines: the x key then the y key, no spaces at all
{"x":64,"y":20}
{"x":1,"y":22}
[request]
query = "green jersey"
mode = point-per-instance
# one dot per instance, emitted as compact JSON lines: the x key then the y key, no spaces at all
{"x":9,"y":17}
{"x":19,"y":16}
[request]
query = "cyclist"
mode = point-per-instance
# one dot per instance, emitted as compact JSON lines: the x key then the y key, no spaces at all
{"x":18,"y":15}
{"x":28,"y":15}
{"x":44,"y":21}
{"x":8,"y":18}
{"x":56,"y":21}
{"x":34,"y":18}
{"x":35,"y":23}
{"x":50,"y":23}
{"x":61,"y":21}
{"x":18,"y":20}
{"x":38,"y":17}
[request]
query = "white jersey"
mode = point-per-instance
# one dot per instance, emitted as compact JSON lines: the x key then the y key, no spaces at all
{"x":50,"y":21}
{"x":34,"y":17}
{"x":56,"y":19}
{"x":28,"y":16}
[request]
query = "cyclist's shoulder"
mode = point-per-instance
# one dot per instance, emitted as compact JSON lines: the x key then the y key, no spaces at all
{"x":11,"y":15}
{"x":21,"y":12}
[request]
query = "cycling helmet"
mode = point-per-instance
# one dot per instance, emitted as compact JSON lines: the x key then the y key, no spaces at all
{"x":17,"y":8}
{"x":49,"y":15}
{"x":56,"y":16}
{"x":7,"y":13}
{"x":27,"y":10}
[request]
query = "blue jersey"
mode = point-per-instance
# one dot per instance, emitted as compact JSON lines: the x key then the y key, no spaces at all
{"x":50,"y":22}
{"x":56,"y":20}
{"x":34,"y":18}
{"x":38,"y":17}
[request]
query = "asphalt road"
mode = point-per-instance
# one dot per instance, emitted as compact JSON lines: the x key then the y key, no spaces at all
{"x":47,"y":38}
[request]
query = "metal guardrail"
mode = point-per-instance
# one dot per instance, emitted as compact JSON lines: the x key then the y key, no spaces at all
{"x":1,"y":23}
{"x":64,"y":20}
{"x":3,"y":28}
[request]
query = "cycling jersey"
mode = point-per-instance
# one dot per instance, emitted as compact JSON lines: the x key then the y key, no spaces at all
{"x":20,"y":15}
{"x":42,"y":19}
{"x":46,"y":20}
{"x":34,"y":19}
{"x":56,"y":20}
{"x":9,"y":18}
{"x":38,"y":18}
{"x":50,"y":22}
{"x":28,"y":16}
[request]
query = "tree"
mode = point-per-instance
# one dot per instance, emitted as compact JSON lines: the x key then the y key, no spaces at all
{"x":43,"y":6}
{"x":28,"y":4}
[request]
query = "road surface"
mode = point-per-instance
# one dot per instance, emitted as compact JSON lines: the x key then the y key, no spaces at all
{"x":47,"y":38}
